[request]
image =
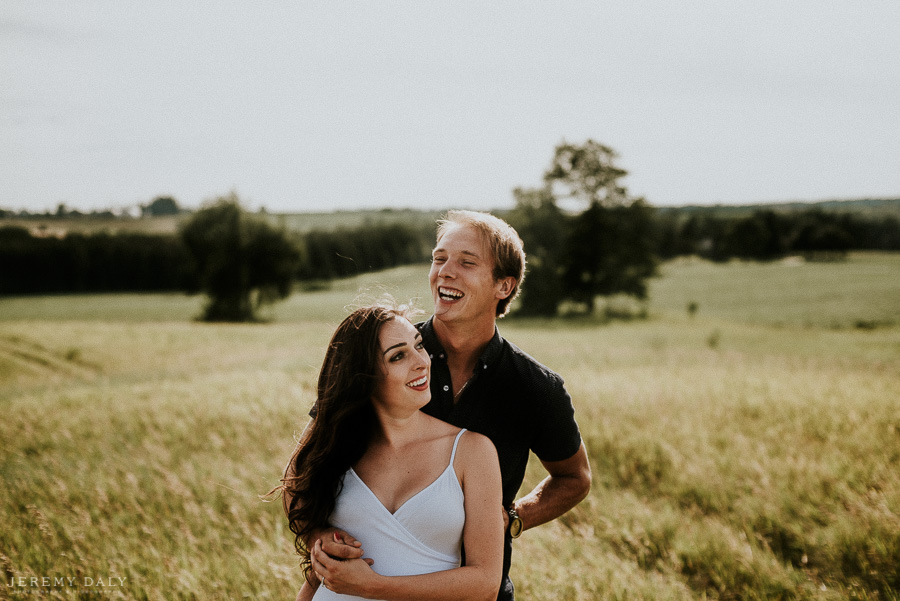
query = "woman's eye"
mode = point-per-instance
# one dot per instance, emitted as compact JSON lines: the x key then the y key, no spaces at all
{"x":397,"y":357}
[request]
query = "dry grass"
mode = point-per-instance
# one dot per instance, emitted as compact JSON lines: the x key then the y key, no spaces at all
{"x":759,"y":463}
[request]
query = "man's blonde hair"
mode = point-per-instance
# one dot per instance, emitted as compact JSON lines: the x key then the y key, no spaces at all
{"x":504,"y":242}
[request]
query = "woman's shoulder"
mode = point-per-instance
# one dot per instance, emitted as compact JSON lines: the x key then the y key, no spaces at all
{"x":476,"y":447}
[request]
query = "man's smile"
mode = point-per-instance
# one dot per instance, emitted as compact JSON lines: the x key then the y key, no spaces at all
{"x":449,"y":294}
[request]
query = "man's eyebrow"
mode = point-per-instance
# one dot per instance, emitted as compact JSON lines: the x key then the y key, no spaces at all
{"x":462,"y":252}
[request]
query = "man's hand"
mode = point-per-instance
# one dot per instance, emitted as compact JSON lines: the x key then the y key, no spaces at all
{"x":347,"y":576}
{"x":335,"y":545}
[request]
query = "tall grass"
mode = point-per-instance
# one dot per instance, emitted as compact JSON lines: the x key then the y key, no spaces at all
{"x":762,"y":463}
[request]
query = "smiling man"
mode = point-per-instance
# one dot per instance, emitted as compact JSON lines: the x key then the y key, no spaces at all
{"x":482,"y":382}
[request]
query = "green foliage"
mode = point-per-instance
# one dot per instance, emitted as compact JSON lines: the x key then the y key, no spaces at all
{"x":98,"y":262}
{"x":242,"y":262}
{"x":587,"y":173}
{"x":607,"y":249}
{"x":345,"y":252}
{"x":766,"y":234}
{"x":542,"y":226}
{"x":161,"y":205}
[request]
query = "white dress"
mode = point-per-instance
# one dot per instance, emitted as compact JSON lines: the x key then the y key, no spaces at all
{"x":424,"y":535}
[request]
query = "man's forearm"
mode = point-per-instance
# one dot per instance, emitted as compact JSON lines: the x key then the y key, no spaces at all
{"x":567,"y":485}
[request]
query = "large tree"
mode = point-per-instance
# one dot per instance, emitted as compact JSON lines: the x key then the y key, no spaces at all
{"x":603,"y":250}
{"x":588,"y":174}
{"x":241,"y":261}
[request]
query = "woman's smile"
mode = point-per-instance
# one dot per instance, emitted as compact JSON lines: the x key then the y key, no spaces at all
{"x":419,"y":384}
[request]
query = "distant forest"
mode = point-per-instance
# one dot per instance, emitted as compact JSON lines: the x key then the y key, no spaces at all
{"x":107,"y":251}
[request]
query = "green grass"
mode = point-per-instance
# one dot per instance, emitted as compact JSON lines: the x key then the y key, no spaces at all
{"x":863,"y":291}
{"x":749,"y":452}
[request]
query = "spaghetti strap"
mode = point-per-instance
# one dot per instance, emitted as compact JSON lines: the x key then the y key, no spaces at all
{"x":456,"y":444}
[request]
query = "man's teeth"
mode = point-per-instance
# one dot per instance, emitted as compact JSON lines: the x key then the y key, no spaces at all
{"x":453,"y":294}
{"x":420,"y":382}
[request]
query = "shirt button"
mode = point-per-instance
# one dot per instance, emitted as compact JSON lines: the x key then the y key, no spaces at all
{"x":446,"y":388}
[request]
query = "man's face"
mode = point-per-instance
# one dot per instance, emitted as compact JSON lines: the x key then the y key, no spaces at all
{"x":462,"y":279}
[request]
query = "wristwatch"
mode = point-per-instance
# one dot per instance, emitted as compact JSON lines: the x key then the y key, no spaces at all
{"x":515,"y":522}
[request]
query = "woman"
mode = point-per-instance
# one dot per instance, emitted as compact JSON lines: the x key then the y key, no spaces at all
{"x":412,"y":488}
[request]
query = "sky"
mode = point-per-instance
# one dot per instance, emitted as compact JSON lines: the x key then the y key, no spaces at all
{"x":317,"y":106}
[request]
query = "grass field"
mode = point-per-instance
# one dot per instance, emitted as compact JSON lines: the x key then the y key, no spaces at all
{"x":751,"y":451}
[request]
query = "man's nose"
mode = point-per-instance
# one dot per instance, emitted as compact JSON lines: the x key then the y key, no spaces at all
{"x":446,"y":270}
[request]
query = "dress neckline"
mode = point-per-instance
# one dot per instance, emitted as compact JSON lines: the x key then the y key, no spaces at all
{"x":429,"y":485}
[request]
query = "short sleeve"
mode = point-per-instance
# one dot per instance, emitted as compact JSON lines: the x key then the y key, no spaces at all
{"x":556,"y":435}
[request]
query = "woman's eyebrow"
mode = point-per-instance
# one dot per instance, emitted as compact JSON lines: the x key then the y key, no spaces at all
{"x":390,"y":348}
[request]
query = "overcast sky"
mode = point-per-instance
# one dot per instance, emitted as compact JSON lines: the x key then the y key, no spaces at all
{"x":314,"y":106}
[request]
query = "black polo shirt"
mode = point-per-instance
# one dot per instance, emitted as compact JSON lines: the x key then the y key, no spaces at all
{"x":521,"y":405}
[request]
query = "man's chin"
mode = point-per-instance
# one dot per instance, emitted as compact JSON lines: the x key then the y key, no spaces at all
{"x":443,"y":308}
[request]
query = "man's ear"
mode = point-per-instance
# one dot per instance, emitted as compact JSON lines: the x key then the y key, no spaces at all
{"x":505,"y":287}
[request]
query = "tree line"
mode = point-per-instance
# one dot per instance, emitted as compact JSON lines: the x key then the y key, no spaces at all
{"x":221,"y":236}
{"x":609,"y":244}
{"x":767,"y":234}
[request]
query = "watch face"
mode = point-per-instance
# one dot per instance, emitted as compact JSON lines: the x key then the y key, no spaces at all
{"x":515,"y":527}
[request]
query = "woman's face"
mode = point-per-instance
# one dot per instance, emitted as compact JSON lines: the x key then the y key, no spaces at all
{"x":405,"y":365}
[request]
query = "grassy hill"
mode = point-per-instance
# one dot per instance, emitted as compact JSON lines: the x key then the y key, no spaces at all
{"x":747,"y":452}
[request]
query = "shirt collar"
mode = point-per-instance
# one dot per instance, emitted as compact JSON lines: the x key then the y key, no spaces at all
{"x":489,"y":357}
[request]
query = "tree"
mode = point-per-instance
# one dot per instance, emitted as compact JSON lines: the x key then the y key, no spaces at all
{"x":609,"y":251}
{"x":588,"y":173}
{"x":161,"y":205}
{"x":242,"y":263}
{"x":541,"y":225}
{"x":605,"y":250}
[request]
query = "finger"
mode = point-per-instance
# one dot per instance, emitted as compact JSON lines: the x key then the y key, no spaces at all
{"x":343,"y":537}
{"x":340,"y":551}
{"x":326,"y":564}
{"x":315,"y":559}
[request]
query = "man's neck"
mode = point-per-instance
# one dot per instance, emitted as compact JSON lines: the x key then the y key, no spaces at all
{"x":464,"y":342}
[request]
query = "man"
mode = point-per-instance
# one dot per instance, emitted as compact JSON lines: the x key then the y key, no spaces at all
{"x":484,"y":383}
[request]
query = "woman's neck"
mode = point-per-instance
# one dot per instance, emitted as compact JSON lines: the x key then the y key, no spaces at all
{"x":396,"y":431}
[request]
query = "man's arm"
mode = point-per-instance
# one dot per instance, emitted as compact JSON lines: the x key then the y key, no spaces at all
{"x":567,"y":485}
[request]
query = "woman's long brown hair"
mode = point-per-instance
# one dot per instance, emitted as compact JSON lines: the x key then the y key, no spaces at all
{"x":340,"y":432}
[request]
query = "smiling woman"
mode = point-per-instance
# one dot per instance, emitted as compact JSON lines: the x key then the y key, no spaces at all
{"x":372,"y":468}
